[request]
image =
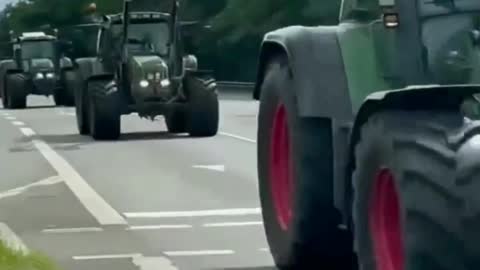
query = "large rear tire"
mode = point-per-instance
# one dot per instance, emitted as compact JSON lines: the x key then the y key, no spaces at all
{"x":104,"y":111}
{"x":408,"y":203}
{"x":202,"y":116}
{"x":295,"y":171}
{"x":16,"y":91}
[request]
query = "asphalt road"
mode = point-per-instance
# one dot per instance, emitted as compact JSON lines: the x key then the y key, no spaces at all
{"x":148,"y":201}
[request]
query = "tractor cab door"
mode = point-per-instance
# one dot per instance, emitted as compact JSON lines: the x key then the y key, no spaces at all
{"x":450,"y":34}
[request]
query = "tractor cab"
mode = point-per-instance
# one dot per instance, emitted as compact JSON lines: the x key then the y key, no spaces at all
{"x":437,"y":40}
{"x":35,"y":53}
{"x":148,"y":33}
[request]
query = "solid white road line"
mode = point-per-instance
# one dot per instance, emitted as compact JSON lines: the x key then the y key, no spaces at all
{"x":16,"y":191}
{"x":233,"y":224}
{"x":11,"y":239}
{"x":218,"y":168}
{"x":10,"y":118}
{"x":182,"y":253}
{"x":264,"y":249}
{"x":159,"y":227}
{"x":5,"y":114}
{"x":143,"y":263}
{"x":91,"y":200}
{"x":153,"y":263}
{"x":237,"y":137}
{"x":18,"y":123}
{"x":106,"y":256}
{"x":200,"y":213}
{"x":27,"y":132}
{"x":73,"y":230}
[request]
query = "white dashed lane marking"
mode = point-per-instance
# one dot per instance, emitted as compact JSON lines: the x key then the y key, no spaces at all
{"x":27,"y":131}
{"x":159,"y":227}
{"x":234,"y":224}
{"x":183,"y":253}
{"x":18,"y":123}
{"x":199,"y":213}
{"x":72,"y":230}
{"x":238,"y":137}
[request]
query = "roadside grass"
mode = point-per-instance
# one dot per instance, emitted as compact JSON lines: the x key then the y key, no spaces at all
{"x":11,"y":259}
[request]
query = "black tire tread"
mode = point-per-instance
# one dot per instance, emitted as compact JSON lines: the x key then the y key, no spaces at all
{"x":16,"y":96}
{"x":176,"y":121}
{"x":430,"y":163}
{"x":105,"y":124}
{"x":203,"y":107}
{"x":314,"y":237}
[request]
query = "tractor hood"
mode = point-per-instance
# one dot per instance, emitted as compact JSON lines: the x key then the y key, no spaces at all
{"x":38,"y":64}
{"x":150,"y":67}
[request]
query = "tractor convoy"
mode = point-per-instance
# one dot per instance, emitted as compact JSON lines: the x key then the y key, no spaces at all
{"x":368,"y":150}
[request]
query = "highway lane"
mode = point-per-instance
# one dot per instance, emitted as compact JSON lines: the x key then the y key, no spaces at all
{"x":148,"y":199}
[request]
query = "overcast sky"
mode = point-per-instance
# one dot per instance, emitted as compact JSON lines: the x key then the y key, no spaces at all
{"x":4,"y":2}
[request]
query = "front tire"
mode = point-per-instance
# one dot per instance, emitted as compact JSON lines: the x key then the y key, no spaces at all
{"x":295,"y":171}
{"x":408,"y":204}
{"x":202,"y":116}
{"x":16,"y":95}
{"x":104,"y":111}
{"x":176,"y":121}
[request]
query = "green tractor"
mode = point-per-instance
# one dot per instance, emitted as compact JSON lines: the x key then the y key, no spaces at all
{"x":141,"y":67}
{"x":38,"y":67}
{"x":368,"y":138}
{"x":80,"y":46}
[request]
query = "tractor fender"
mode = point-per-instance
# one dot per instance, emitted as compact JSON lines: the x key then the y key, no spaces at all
{"x":316,"y":65}
{"x":66,"y":63}
{"x":421,"y":97}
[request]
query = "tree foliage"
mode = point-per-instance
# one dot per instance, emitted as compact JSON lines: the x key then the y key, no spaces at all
{"x":237,"y":25}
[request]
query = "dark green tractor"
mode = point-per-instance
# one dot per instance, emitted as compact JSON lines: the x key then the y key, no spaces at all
{"x":80,"y":46}
{"x":141,"y":67}
{"x":37,"y":68}
{"x":368,"y":138}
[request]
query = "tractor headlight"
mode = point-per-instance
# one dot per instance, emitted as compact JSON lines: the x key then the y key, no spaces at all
{"x":165,"y":83}
{"x":158,"y":76}
{"x":144,"y":83}
{"x":50,"y":75}
{"x":39,"y":76}
{"x":150,"y":76}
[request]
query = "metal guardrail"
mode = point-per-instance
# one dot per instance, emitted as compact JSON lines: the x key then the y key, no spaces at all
{"x":229,"y":86}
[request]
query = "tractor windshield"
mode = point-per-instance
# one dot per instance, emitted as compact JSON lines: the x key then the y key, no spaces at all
{"x":38,"y":49}
{"x":146,"y":38}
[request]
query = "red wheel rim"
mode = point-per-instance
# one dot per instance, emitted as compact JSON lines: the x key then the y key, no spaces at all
{"x":385,"y":223}
{"x":281,"y":168}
